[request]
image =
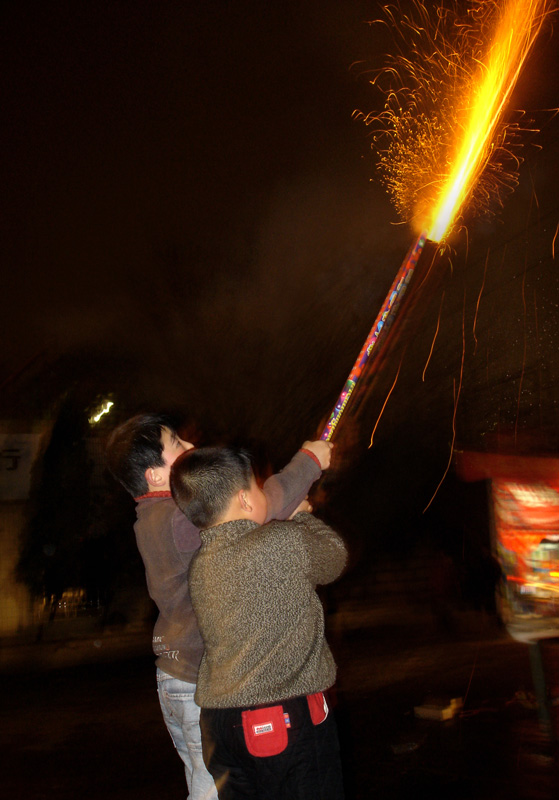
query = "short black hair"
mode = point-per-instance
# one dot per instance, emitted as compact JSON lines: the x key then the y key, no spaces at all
{"x":135,"y":446}
{"x":204,"y":481}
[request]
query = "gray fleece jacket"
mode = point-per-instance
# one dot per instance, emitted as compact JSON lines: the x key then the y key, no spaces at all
{"x":262,"y":623}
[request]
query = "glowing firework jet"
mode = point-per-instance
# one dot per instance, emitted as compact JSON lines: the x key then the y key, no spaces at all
{"x":447,"y":138}
{"x":482,"y":110}
{"x":442,"y":140}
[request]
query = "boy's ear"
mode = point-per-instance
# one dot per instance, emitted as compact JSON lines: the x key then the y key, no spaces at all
{"x":153,"y":477}
{"x":244,"y":501}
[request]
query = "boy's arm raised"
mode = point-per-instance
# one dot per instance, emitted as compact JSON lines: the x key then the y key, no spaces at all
{"x":288,"y":488}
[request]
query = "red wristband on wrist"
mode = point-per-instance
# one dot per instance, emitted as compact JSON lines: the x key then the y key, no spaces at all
{"x":311,"y":455}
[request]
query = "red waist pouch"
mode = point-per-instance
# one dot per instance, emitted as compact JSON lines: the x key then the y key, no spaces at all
{"x":265,"y":731}
{"x":318,"y":707}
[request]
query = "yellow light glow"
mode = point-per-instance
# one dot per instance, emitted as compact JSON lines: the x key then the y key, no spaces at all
{"x":517,"y":28}
{"x":106,"y":407}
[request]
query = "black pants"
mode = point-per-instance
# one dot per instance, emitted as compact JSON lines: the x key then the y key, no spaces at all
{"x":308,"y":769}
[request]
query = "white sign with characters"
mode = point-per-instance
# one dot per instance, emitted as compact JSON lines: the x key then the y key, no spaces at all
{"x":17,"y":454}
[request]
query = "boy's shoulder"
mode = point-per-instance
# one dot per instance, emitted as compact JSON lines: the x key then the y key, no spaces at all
{"x":162,"y":516}
{"x":152,"y":505}
{"x":245,"y":533}
{"x":277,"y":532}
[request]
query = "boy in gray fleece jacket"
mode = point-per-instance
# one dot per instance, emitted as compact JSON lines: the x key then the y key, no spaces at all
{"x":267,"y":730}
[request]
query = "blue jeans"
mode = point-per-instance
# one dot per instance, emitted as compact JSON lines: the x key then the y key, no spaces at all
{"x":182,"y":718}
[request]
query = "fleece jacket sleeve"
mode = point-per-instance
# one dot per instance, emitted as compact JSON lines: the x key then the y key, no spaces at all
{"x":325,"y":549}
{"x":288,"y":488}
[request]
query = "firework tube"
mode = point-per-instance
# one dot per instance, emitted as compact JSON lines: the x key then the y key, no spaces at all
{"x":382,"y":323}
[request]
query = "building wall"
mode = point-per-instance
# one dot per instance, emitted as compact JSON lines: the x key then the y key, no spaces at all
{"x":20,"y":447}
{"x":16,"y":607}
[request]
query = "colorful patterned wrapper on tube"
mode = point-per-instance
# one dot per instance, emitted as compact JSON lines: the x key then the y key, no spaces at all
{"x":382,"y":323}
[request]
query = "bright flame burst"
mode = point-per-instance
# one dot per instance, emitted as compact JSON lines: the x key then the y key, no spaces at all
{"x":442,"y":139}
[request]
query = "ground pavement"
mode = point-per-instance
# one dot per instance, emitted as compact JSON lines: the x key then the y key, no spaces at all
{"x":79,"y":716}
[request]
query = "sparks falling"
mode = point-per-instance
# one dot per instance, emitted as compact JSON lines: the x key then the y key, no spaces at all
{"x":442,"y":138}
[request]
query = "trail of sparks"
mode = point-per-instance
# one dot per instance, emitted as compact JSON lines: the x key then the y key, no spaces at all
{"x":525,"y":337}
{"x":442,"y":139}
{"x":385,"y":403}
{"x":479,"y":300}
{"x":516,"y":32}
{"x":537,"y":329}
{"x":456,"y":399}
{"x":434,"y":339}
{"x":553,"y":242}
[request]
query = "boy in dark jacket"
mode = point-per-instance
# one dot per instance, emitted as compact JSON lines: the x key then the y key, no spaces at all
{"x":140,"y":454}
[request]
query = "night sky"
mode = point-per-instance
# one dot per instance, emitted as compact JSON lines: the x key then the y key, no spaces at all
{"x":189,"y":207}
{"x":155,"y":154}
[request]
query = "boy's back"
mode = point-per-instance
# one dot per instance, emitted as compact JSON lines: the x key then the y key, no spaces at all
{"x":253,"y":591}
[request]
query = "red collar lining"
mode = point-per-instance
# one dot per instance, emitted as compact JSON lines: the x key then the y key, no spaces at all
{"x":153,"y":494}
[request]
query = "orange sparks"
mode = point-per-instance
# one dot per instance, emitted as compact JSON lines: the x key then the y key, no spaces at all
{"x":442,"y":140}
{"x":553,"y":242}
{"x":434,"y":339}
{"x":479,"y":299}
{"x":385,"y":403}
{"x":456,"y":399}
